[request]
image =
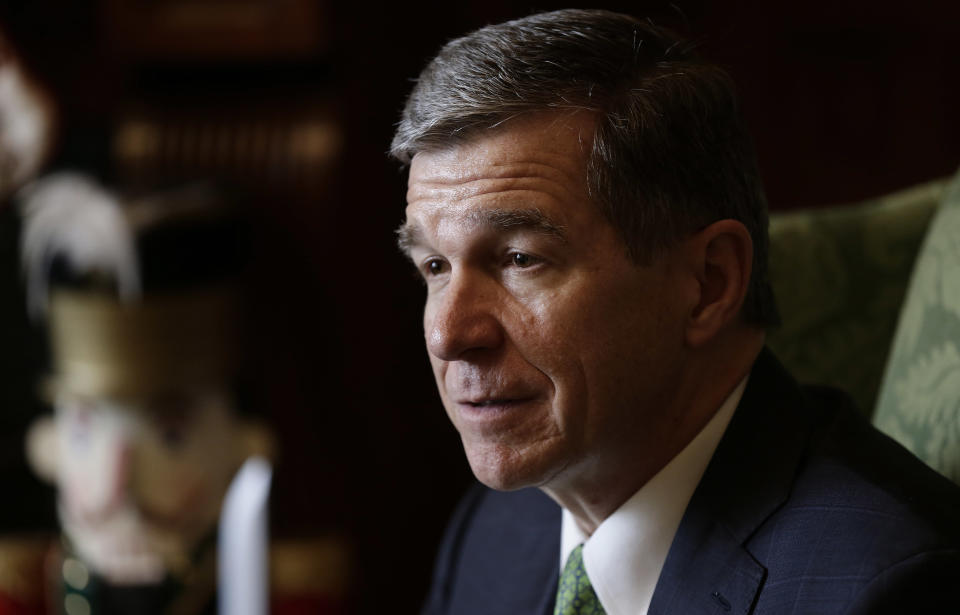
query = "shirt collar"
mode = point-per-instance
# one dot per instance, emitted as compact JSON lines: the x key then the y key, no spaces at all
{"x":626,"y":553}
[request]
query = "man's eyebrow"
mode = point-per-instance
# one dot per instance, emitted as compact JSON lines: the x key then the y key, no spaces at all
{"x":410,"y":234}
{"x":526,"y":219}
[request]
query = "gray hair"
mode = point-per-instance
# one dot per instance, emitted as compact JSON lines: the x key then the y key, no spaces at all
{"x":671,"y":153}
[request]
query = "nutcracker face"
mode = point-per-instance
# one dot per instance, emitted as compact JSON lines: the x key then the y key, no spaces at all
{"x":140,"y":484}
{"x":26,"y":123}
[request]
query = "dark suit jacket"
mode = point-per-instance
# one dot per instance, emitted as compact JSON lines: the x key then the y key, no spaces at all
{"x":804,"y":508}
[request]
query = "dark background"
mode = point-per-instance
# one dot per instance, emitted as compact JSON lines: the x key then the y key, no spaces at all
{"x":846,"y":99}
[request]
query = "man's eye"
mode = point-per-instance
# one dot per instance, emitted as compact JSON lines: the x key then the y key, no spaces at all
{"x":519,"y":259}
{"x":435,"y":266}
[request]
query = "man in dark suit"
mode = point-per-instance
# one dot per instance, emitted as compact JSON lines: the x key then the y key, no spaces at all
{"x":586,"y":213}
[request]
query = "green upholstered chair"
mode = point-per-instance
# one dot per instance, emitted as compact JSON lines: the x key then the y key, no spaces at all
{"x":841,"y":276}
{"x":919,"y":400}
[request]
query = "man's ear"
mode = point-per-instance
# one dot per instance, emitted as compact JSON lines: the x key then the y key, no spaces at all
{"x":722,"y":258}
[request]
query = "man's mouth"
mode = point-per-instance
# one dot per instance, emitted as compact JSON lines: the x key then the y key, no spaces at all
{"x":493,"y":415}
{"x":487,"y":403}
{"x":493,"y":405}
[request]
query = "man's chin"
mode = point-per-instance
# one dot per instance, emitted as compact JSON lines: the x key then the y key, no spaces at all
{"x":507,"y":470}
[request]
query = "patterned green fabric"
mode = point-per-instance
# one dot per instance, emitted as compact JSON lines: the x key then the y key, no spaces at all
{"x":840,"y":275}
{"x":575,"y":595}
{"x":919,"y":403}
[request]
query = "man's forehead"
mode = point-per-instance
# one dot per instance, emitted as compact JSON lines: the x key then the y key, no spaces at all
{"x":528,"y":173}
{"x":540,"y":134}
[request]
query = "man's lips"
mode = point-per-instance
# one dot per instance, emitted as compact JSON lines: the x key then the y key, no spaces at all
{"x":493,"y":400}
{"x":488,"y":403}
{"x":489,"y":409}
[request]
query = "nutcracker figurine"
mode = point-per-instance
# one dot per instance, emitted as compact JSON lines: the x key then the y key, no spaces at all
{"x":142,"y":301}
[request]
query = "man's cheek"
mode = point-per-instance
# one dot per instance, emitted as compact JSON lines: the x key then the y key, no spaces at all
{"x":439,"y":369}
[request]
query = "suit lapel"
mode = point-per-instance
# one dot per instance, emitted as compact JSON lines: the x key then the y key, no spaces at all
{"x":708,"y":568}
{"x":706,"y":572}
{"x":506,"y":559}
{"x":549,"y":599}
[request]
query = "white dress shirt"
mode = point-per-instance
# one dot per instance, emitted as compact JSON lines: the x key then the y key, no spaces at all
{"x":626,"y":552}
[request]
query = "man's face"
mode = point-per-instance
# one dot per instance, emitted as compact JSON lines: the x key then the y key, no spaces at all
{"x":555,"y":355}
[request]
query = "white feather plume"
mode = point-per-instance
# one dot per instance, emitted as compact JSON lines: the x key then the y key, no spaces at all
{"x":71,"y":216}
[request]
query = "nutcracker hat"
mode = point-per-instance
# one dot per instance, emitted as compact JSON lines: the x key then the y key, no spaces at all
{"x":140,"y":293}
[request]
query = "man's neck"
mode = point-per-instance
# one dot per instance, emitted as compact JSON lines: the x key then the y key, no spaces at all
{"x":709,"y":378}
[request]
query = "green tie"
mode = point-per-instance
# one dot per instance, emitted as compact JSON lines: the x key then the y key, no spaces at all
{"x":575,"y":596}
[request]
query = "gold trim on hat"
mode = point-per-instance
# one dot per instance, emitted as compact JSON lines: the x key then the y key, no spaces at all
{"x":163,"y":343}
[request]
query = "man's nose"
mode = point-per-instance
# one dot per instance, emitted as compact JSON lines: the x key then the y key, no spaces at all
{"x":463,"y":319}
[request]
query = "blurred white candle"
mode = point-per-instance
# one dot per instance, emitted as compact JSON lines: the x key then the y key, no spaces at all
{"x":244,"y":542}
